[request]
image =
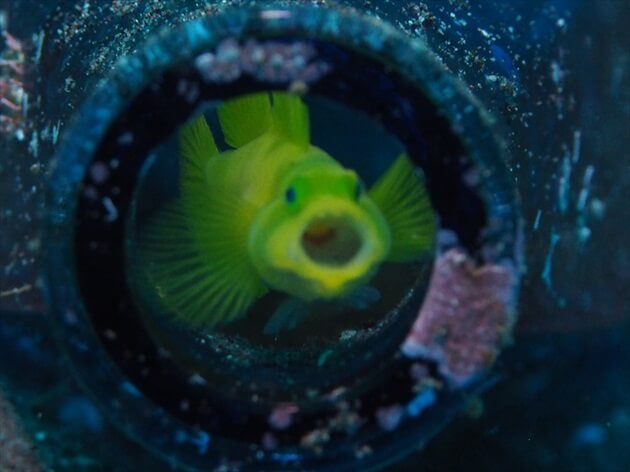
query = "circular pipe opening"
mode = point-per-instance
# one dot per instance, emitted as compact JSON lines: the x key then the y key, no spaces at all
{"x":414,"y":362}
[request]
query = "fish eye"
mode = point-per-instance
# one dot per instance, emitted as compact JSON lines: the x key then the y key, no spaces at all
{"x":289,"y":195}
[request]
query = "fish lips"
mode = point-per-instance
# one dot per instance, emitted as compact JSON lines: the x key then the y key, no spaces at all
{"x":326,"y":250}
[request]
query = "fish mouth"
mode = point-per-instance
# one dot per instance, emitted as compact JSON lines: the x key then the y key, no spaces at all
{"x":331,"y":240}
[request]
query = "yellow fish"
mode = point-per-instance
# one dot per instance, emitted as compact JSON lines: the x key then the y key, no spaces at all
{"x":275,"y":212}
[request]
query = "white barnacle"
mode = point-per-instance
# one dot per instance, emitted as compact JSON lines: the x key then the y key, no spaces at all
{"x":204,"y":64}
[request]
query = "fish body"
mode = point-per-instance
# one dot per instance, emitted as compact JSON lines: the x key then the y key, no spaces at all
{"x":275,"y":212}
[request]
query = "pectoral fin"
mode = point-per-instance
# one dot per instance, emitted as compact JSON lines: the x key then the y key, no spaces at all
{"x":196,"y":258}
{"x":401,"y":196}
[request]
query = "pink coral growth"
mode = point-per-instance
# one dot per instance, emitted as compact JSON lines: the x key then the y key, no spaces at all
{"x":16,"y":450}
{"x":13,"y":98}
{"x":466,"y":317}
{"x":282,"y":415}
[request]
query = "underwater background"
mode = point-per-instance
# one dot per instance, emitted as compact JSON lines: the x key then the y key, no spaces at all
{"x":556,"y":73}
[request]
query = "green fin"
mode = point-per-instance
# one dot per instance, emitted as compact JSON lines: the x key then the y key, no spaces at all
{"x":291,"y":118}
{"x":196,"y":147}
{"x":401,"y":197}
{"x":244,"y":119}
{"x":198,"y":261}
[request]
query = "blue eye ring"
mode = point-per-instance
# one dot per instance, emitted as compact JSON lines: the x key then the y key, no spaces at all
{"x":289,"y":195}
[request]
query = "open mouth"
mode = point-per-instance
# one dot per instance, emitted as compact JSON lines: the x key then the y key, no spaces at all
{"x":331,"y":241}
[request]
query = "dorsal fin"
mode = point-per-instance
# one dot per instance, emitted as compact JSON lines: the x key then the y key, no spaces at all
{"x":246,"y":118}
{"x":291,"y":118}
{"x":401,"y":197}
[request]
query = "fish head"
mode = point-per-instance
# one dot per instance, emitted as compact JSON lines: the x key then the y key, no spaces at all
{"x":322,"y":236}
